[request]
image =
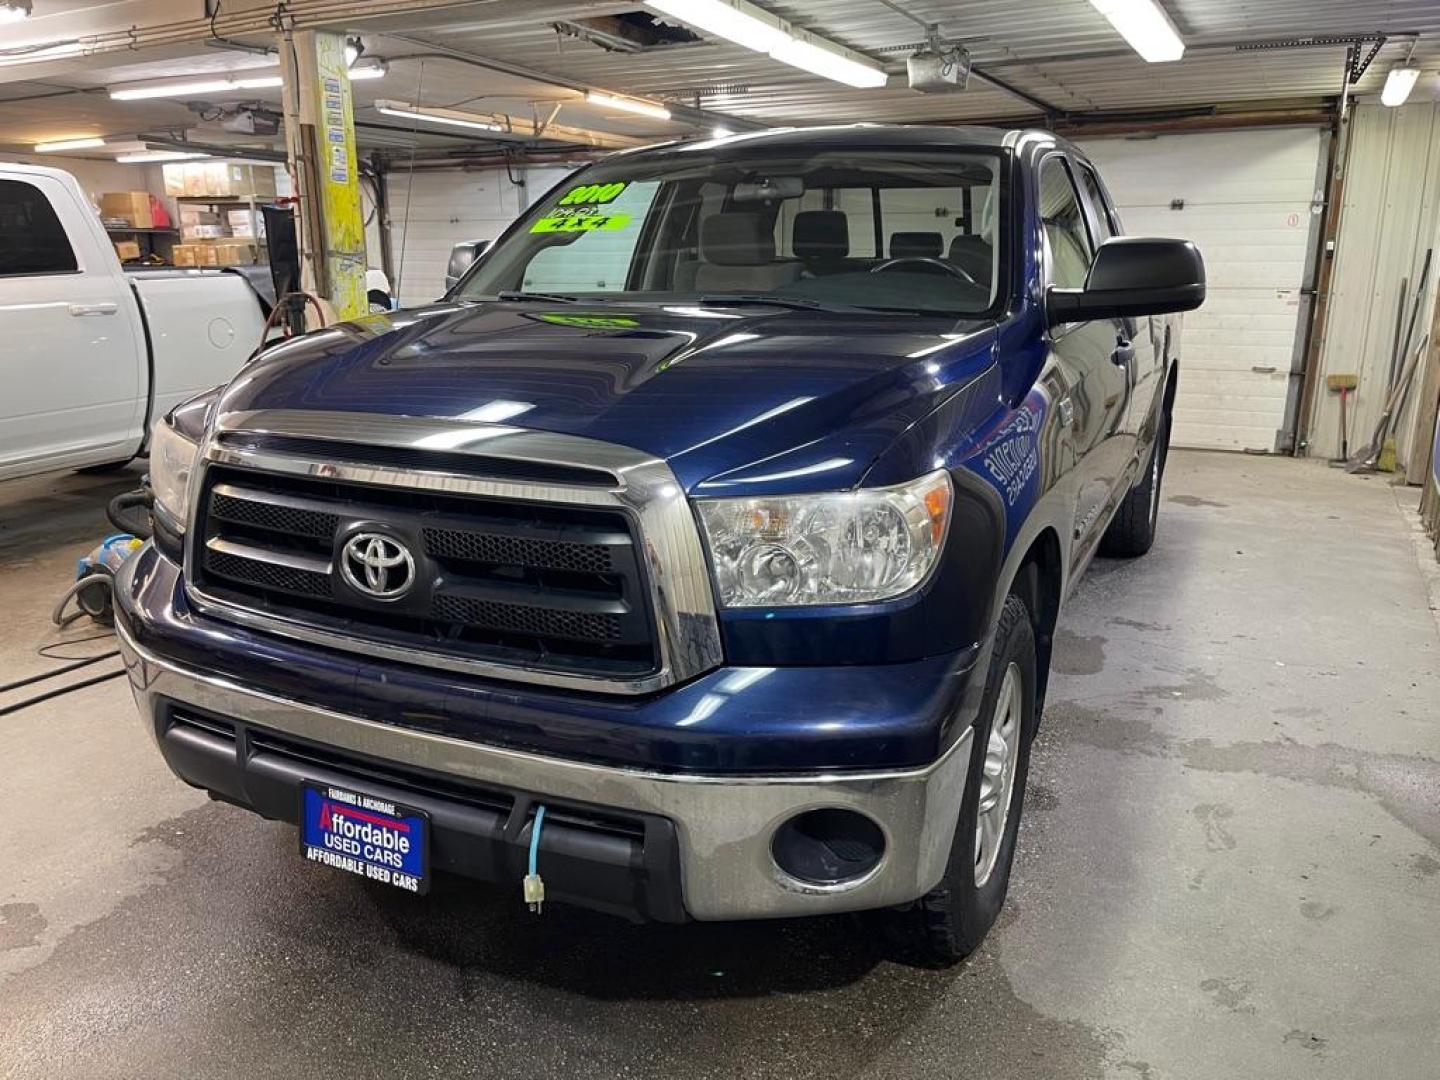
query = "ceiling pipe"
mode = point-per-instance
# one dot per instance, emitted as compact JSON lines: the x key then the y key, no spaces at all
{"x":684,"y":113}
{"x":214,"y":149}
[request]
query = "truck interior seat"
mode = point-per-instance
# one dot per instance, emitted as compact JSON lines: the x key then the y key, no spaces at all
{"x":822,"y":241}
{"x":975,"y":256}
{"x":916,"y":245}
{"x":738,"y":255}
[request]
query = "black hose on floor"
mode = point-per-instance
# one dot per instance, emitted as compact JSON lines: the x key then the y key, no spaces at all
{"x":58,"y":692}
{"x":130,"y":513}
{"x":76,"y":666}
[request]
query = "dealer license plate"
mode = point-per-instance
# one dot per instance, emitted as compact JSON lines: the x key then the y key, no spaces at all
{"x":365,"y":835}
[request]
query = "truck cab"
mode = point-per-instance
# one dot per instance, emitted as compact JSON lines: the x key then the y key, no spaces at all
{"x":698,"y":557}
{"x":94,"y":353}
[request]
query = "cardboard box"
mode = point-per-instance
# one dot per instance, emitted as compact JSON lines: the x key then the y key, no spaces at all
{"x":206,"y":255}
{"x":240,"y":223}
{"x":127,"y":249}
{"x":174,"y":179}
{"x":193,"y":215}
{"x":202,"y":232}
{"x":220,"y":180}
{"x":133,"y":206}
{"x":183,"y":254}
{"x":233,"y":254}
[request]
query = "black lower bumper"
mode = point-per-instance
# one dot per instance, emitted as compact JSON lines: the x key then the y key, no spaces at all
{"x":618,"y":862}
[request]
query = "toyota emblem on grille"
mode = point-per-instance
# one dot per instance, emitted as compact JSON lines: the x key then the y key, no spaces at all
{"x":377,"y":566}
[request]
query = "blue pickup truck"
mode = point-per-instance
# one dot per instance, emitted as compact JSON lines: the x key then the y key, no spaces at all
{"x":699,"y":555}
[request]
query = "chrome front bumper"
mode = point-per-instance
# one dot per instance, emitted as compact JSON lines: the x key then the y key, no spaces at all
{"x":724,"y":824}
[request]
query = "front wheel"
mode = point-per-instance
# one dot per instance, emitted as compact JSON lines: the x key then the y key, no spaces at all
{"x":1132,"y":530}
{"x":949,"y":922}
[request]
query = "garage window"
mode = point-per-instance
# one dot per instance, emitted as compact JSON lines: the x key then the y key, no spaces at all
{"x":32,"y":240}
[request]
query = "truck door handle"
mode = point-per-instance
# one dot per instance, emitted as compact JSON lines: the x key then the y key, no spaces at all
{"x":105,"y":307}
{"x":1124,"y":352}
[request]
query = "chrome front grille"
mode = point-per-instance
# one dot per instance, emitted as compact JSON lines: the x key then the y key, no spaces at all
{"x":556,"y":587}
{"x":544,"y":558}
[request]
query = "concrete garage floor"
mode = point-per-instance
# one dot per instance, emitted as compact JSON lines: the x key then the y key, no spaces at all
{"x":1230,"y":865}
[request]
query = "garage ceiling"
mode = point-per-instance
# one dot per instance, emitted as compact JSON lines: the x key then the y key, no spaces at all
{"x":1061,"y":52}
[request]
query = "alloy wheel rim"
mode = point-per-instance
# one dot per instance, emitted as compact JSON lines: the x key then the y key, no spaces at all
{"x":997,"y":774}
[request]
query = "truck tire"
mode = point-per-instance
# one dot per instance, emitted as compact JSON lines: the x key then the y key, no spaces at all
{"x":377,"y":301}
{"x":1132,"y":529}
{"x":949,"y":922}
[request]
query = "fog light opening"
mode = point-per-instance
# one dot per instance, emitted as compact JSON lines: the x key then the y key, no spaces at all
{"x":828,"y":847}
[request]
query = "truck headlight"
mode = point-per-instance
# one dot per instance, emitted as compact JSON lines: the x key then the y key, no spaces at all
{"x":172,"y":459}
{"x":845,"y":547}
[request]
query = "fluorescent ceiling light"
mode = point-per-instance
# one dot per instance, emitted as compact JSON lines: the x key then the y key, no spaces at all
{"x":634,"y":105}
{"x":150,"y":156}
{"x":184,"y":87}
{"x":755,"y":28}
{"x":68,"y":144}
{"x":741,"y":23}
{"x":14,"y":10}
{"x":438,"y":116}
{"x":1398,"y":85}
{"x":1144,"y":24}
{"x":368,"y":68}
{"x":824,"y":59}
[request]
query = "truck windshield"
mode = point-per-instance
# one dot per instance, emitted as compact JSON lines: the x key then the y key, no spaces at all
{"x":887,"y":230}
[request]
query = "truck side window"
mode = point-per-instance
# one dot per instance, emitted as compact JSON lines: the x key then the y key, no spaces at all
{"x":1109,"y":225}
{"x":1068,"y":251}
{"x":32,"y":240}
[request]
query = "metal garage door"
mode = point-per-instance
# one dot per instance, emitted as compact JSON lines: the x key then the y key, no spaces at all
{"x":1247,"y":198}
{"x":443,"y":207}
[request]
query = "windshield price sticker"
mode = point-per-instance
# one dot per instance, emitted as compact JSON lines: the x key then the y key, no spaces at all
{"x":581,"y":219}
{"x":592,"y":194}
{"x":581,"y":210}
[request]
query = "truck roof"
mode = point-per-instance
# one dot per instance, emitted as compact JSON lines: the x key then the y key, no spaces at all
{"x":861,"y":136}
{"x":33,"y":170}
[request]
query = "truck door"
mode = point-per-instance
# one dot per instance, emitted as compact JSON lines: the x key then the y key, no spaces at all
{"x":71,"y":354}
{"x":1137,"y":350}
{"x":1085,"y":354}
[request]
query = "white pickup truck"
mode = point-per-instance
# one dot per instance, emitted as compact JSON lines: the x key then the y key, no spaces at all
{"x":91,"y":353}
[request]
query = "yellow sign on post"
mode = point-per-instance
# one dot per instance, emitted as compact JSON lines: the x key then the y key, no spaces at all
{"x":330,"y":186}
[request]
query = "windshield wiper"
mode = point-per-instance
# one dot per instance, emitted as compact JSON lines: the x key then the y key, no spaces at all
{"x":515,"y":296}
{"x":795,"y":303}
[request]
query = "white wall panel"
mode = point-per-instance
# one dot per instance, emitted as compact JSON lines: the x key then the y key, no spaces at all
{"x":1390,"y":216}
{"x":1248,"y":199}
{"x":440,"y":208}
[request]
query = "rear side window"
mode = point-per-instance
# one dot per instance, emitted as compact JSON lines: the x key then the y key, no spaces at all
{"x":1067,"y":243}
{"x":1104,"y":212}
{"x":32,"y":240}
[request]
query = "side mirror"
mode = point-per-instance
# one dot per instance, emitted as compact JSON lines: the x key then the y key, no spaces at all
{"x":462,"y":257}
{"x":1133,"y":275}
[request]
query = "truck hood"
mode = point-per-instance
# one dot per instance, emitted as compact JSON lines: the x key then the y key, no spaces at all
{"x":726,"y":395}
